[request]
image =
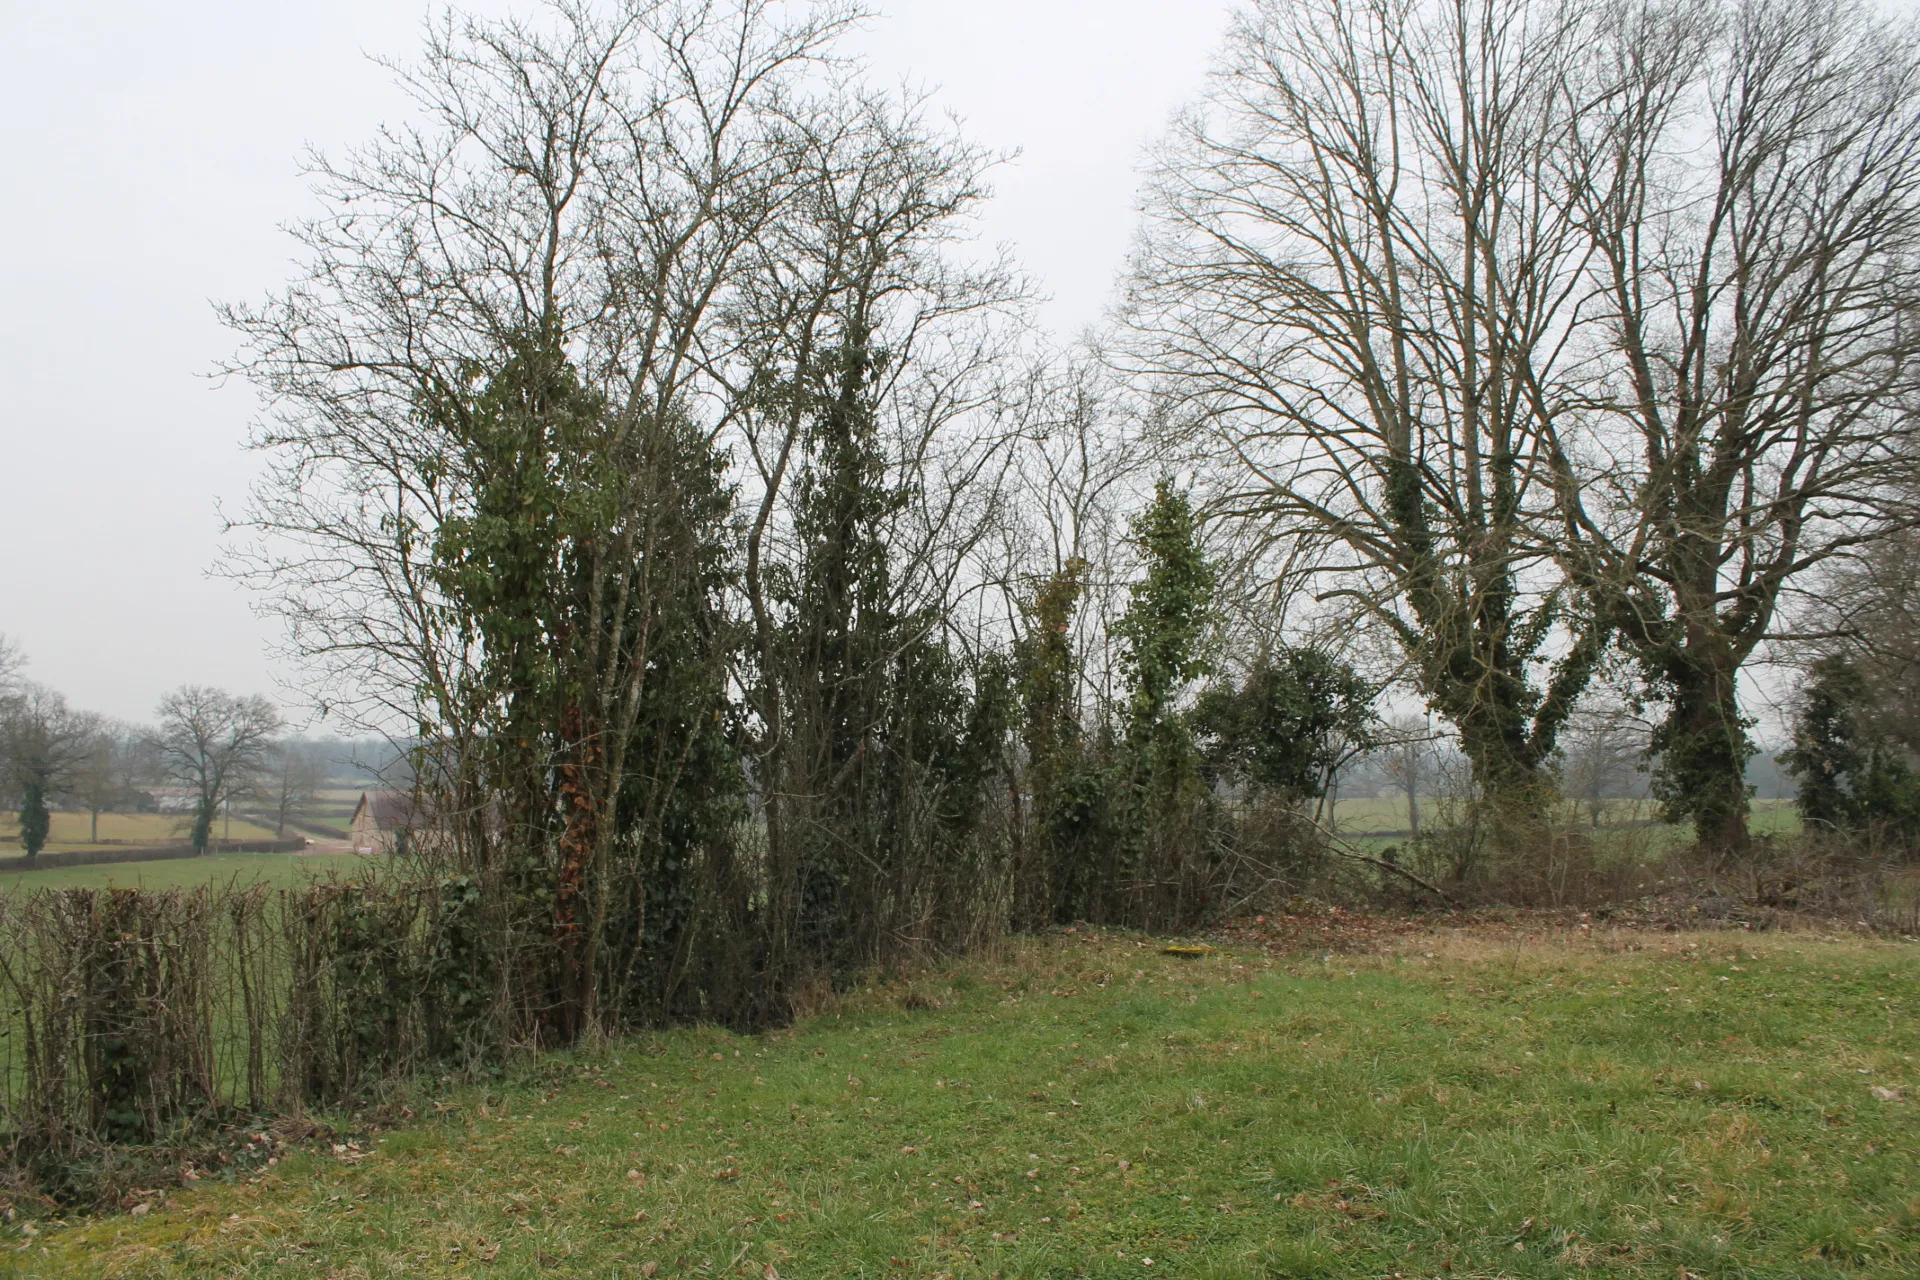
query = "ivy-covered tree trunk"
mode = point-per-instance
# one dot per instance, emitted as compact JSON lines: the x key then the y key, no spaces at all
{"x":584,"y":547}
{"x":577,"y":841}
{"x":1164,"y":633}
{"x":841,"y":636}
{"x":496,"y":560}
{"x":1690,"y":639}
{"x":1702,"y":744}
{"x":35,"y":821}
{"x":1472,"y":643}
{"x":1053,"y":871}
{"x":203,"y":815}
{"x":1855,"y":776}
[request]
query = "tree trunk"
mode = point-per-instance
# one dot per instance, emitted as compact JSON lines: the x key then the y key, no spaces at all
{"x":578,"y":841}
{"x":1411,"y":760}
{"x":1703,"y":747}
{"x":35,"y":821}
{"x":1513,"y":793}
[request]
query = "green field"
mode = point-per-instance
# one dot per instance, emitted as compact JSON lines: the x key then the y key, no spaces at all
{"x":1467,"y":1105}
{"x":72,"y":830}
{"x":1360,"y":815}
{"x":333,"y":808}
{"x":278,"y":869}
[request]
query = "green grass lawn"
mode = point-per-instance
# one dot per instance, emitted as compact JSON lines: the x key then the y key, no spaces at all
{"x":74,"y":830}
{"x":1715,"y":1105}
{"x":280,"y":869}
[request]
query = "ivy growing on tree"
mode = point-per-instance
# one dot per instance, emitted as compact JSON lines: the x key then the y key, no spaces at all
{"x":1288,"y":724}
{"x":1852,"y":777}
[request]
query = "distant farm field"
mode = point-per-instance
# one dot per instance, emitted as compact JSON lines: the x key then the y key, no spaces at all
{"x":281,"y":870}
{"x":1363,"y":815}
{"x":329,"y":812}
{"x":74,"y":830}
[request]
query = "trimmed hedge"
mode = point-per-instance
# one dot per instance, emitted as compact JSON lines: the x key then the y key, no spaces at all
{"x":134,"y":1025}
{"x":144,"y":853}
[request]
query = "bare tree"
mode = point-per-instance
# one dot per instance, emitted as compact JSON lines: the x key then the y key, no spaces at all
{"x":1087,"y":457}
{"x":1406,"y":754}
{"x":100,"y":777}
{"x":1744,"y":179}
{"x":215,"y":744}
{"x":1352,"y":275}
{"x":137,"y":763}
{"x":42,"y":741}
{"x":12,"y":687}
{"x":12,"y":662}
{"x":290,"y":782}
{"x":1603,"y":756}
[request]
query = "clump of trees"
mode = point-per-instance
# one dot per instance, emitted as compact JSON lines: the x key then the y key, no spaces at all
{"x":646,"y":456}
{"x":223,"y":749}
{"x":1854,"y":774}
{"x":44,"y":743}
{"x":1531,"y":332}
{"x":654,"y":457}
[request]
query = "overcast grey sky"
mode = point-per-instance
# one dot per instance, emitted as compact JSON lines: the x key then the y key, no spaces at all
{"x":150,"y":152}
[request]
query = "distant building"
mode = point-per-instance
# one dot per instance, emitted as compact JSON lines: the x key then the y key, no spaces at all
{"x":169,"y":800}
{"x":384,"y":822}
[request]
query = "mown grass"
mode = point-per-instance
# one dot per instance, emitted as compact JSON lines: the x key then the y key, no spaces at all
{"x":74,"y":830}
{"x":281,"y":870}
{"x":1649,"y":1105}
